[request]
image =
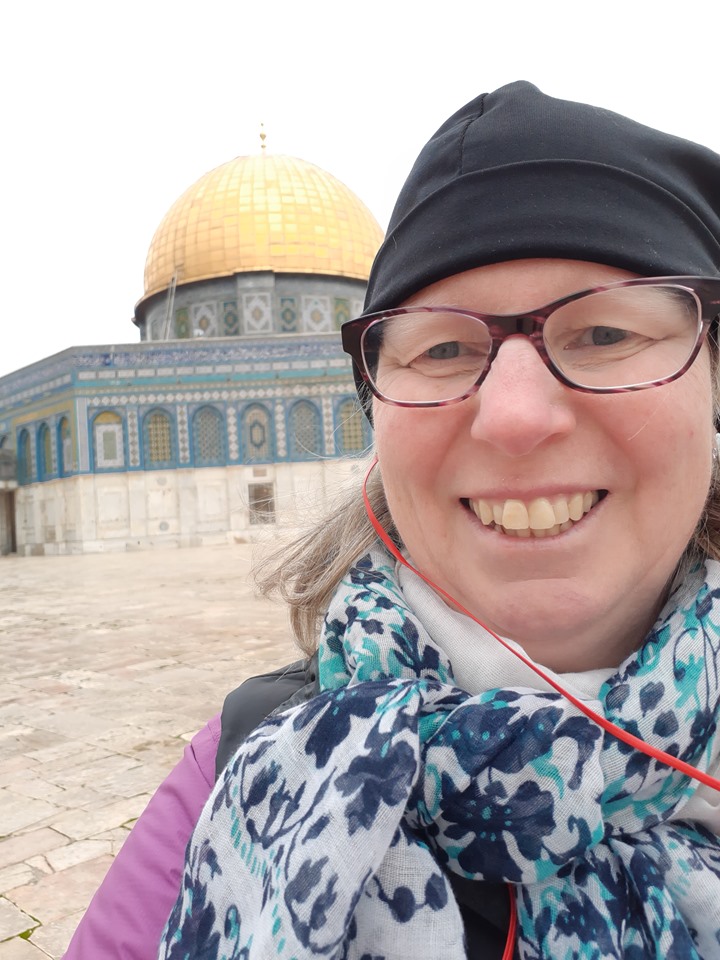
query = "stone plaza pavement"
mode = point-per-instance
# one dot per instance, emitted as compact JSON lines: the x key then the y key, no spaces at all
{"x":109,"y":664}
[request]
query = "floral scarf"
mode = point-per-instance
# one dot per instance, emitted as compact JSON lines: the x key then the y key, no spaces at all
{"x":333,"y":829}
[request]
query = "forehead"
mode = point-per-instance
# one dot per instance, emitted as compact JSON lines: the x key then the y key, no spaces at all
{"x":516,"y":285}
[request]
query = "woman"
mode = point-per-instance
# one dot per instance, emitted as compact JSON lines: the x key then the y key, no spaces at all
{"x":513,"y":750}
{"x":544,"y":427}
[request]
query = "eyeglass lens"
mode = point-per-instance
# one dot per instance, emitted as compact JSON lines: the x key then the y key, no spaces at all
{"x":613,"y":338}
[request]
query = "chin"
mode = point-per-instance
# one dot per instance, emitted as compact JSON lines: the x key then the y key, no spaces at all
{"x":563,"y":629}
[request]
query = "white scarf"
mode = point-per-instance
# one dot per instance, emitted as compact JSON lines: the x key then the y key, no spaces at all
{"x":333,"y":829}
{"x":480,"y":663}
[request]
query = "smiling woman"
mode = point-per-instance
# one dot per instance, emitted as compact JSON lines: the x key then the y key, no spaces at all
{"x":538,"y":359}
{"x":505,"y":744}
{"x":524,"y":439}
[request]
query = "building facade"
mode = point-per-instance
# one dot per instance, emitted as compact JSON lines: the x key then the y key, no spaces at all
{"x":236,"y":412}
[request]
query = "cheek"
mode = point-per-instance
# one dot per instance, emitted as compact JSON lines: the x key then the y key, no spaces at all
{"x":412,"y":449}
{"x":411,"y":445}
{"x":667,"y":438}
{"x":399,"y":445}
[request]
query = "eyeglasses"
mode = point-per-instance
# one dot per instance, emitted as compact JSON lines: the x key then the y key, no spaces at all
{"x":616,"y":338}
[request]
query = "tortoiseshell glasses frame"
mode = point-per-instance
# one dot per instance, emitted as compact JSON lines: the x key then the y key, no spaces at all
{"x":700,"y":308}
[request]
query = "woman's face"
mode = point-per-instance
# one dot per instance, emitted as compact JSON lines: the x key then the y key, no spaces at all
{"x":584,"y":597}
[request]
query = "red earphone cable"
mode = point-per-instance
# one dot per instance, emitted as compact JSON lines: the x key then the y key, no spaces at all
{"x":512,"y":925}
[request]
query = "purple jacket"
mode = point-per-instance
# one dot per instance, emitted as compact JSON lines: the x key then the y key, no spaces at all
{"x":128,"y":913}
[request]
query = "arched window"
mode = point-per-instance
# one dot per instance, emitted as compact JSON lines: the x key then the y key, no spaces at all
{"x":305,"y":434}
{"x":25,"y":471}
{"x":257,"y":435}
{"x":350,"y":431}
{"x":64,"y":447}
{"x":108,"y":441}
{"x":158,"y":445}
{"x":44,"y":452}
{"x":208,"y":437}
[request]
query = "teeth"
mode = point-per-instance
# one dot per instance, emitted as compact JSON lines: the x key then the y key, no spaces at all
{"x":541,"y":514}
{"x":542,"y":517}
{"x":560,"y":509}
{"x":485,"y":512}
{"x":515,"y":515}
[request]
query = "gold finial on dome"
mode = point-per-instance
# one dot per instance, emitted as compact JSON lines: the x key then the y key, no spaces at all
{"x":263,"y":136}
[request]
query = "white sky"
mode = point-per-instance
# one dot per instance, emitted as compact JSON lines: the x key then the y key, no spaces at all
{"x":110,"y":110}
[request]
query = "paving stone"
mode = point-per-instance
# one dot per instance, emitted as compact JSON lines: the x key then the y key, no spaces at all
{"x":80,"y":852}
{"x":65,"y":767}
{"x":51,"y":685}
{"x":19,"y":812}
{"x":39,"y":788}
{"x":13,"y":920}
{"x":10,"y":732}
{"x":168,"y":724}
{"x":20,"y":847}
{"x":59,"y":895}
{"x":71,"y":724}
{"x":144,"y":666}
{"x":39,"y":866}
{"x":10,"y":691}
{"x":123,"y":740}
{"x":16,"y":875}
{"x":81,"y":824}
{"x":53,"y":938}
{"x":63,"y":748}
{"x":19,"y":949}
{"x":13,"y":769}
{"x":141,"y":778}
{"x":78,"y":798}
{"x":95,"y":772}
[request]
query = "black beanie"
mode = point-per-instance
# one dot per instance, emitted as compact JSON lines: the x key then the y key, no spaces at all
{"x":518,"y":174}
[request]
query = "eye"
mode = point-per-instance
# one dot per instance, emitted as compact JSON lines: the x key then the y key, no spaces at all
{"x":605,"y":336}
{"x":444,"y":351}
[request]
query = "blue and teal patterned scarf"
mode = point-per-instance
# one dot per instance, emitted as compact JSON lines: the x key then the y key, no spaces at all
{"x":332,"y":831}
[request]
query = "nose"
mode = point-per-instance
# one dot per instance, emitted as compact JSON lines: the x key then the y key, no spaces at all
{"x":520,"y":404}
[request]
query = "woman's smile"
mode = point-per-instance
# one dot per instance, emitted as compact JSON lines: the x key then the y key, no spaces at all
{"x":539,"y":517}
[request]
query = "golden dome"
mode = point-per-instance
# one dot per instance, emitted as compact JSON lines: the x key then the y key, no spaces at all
{"x":263,"y":212}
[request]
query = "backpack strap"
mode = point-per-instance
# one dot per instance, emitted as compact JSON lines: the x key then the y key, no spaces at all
{"x":260,"y":697}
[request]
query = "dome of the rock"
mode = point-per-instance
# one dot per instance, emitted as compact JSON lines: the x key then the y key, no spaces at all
{"x":263,"y":212}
